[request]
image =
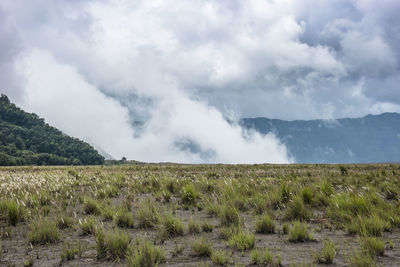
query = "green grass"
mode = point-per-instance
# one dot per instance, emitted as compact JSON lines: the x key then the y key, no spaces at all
{"x":189,"y":195}
{"x":297,"y":211}
{"x":43,"y":231}
{"x":144,"y":254}
{"x":207,"y":227}
{"x":147,"y":214}
{"x":112,"y":245}
{"x":172,"y":225}
{"x":328,"y":253}
{"x":13,"y":212}
{"x":263,"y":257}
{"x":229,"y":215}
{"x":265,"y":225}
{"x":88,"y":226}
{"x":193,"y":227}
{"x":202,"y":248}
{"x":242,"y":240}
{"x":220,"y":257}
{"x":299,"y":233}
{"x":64,"y":222}
{"x":360,"y":259}
{"x":91,"y":206}
{"x":373,"y":246}
{"x":124,"y":218}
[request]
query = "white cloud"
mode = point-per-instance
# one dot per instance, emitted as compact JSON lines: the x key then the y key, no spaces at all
{"x":177,"y":69}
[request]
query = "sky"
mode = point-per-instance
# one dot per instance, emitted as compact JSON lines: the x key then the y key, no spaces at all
{"x":159,"y":80}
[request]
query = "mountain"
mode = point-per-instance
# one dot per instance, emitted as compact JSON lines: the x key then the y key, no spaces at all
{"x":25,"y":139}
{"x":373,"y":138}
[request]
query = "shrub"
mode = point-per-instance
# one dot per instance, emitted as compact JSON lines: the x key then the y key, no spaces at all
{"x":43,"y":231}
{"x":189,"y":195}
{"x":229,"y":215}
{"x":373,"y":246}
{"x":242,"y":240}
{"x":144,"y":254}
{"x":299,"y":233}
{"x":265,"y":225}
{"x":147,"y":214}
{"x":297,"y":211}
{"x":219,"y":257}
{"x":328,"y":253}
{"x":264,"y":258}
{"x":124,"y":218}
{"x":202,"y":248}
{"x":193,"y":227}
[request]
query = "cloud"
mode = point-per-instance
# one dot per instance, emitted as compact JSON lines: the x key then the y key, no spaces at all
{"x":173,"y":73}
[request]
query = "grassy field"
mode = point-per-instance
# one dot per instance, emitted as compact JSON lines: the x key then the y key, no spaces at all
{"x":200,"y":215}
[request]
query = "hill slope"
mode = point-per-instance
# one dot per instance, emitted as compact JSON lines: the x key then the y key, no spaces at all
{"x":373,"y":138}
{"x":25,"y":139}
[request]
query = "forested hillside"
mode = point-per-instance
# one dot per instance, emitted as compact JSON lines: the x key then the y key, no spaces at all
{"x":25,"y":139}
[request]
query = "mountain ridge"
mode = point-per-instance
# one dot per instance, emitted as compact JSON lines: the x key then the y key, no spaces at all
{"x":367,"y":139}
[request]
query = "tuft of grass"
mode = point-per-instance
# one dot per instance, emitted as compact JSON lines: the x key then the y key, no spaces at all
{"x":265,"y":225}
{"x":328,"y":253}
{"x":202,"y":248}
{"x":229,"y":215}
{"x":307,"y":194}
{"x":360,"y":259}
{"x":144,"y":254}
{"x":112,"y":245}
{"x":172,"y":225}
{"x":373,"y":246}
{"x":64,"y":222}
{"x":219,"y":257}
{"x":297,"y":211}
{"x":242,"y":240}
{"x":147,"y":214}
{"x":207,"y":227}
{"x":91,"y":206}
{"x":368,"y":226}
{"x":124,"y":219}
{"x":299,"y":233}
{"x":264,"y":258}
{"x":43,"y":231}
{"x":189,"y":195}
{"x":285,"y":228}
{"x":193,"y":227}
{"x":69,"y":251}
{"x":88,"y":226}
{"x":14,"y":212}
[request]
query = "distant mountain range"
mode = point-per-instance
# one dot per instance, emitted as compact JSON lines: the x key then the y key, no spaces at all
{"x":25,"y":139}
{"x":373,"y":138}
